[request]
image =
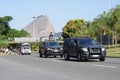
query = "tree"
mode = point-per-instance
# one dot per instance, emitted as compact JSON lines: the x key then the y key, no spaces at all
{"x":114,"y":19}
{"x":23,"y":33}
{"x":4,"y":24}
{"x":72,"y":28}
{"x":100,"y":25}
{"x":3,"y":43}
{"x":16,"y":33}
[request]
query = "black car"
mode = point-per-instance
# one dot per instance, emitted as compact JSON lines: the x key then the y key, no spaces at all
{"x":50,"y":48}
{"x":83,"y":48}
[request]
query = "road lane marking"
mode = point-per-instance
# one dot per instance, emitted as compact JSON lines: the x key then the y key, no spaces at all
{"x":105,"y":66}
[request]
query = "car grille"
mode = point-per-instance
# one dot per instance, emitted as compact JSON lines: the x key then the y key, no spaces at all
{"x":56,"y":48}
{"x":95,"y":50}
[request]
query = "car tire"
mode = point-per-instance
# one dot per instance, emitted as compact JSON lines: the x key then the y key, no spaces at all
{"x":78,"y":57}
{"x":29,"y":53}
{"x":102,"y":59}
{"x":45,"y":55}
{"x":66,"y":56}
{"x":22,"y":54}
{"x":40,"y":54}
{"x":54,"y":56}
{"x":61,"y":55}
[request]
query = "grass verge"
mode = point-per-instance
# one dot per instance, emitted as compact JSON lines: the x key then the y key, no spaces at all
{"x":113,"y":52}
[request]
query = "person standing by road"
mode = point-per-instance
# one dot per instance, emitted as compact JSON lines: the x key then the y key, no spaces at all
{"x":50,"y":36}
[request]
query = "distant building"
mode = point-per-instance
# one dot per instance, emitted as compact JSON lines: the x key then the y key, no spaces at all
{"x":38,"y":39}
{"x":27,"y":39}
{"x":40,"y":27}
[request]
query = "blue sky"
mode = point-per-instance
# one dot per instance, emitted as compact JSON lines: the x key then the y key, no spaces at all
{"x":58,"y":11}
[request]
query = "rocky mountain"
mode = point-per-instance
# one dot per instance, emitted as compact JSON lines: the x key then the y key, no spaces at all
{"x":40,"y":27}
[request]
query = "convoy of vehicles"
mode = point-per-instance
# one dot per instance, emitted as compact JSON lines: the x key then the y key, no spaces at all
{"x":82,"y":48}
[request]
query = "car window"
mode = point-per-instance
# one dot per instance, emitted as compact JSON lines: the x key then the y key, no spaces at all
{"x":87,"y":41}
{"x":71,"y":42}
{"x":25,"y":46}
{"x":53,"y":44}
{"x":43,"y":45}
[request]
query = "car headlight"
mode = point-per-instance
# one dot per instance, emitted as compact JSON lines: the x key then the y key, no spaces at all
{"x":29,"y":51}
{"x":61,"y":48}
{"x":48,"y":49}
{"x":23,"y":51}
{"x":103,"y":49}
{"x":84,"y":49}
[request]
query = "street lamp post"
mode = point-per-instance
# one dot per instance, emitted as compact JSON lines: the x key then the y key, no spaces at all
{"x":33,"y":28}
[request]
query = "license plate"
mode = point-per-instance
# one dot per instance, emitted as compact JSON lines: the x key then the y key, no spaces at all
{"x":95,"y":55}
{"x":55,"y":50}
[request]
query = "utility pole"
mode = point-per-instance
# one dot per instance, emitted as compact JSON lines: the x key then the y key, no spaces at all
{"x":33,"y":27}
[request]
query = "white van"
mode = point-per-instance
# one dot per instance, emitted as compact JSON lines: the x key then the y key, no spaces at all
{"x":25,"y":48}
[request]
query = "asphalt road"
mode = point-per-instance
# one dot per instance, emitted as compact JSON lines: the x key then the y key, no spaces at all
{"x":31,"y":67}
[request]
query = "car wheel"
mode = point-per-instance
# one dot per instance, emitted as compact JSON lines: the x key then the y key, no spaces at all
{"x":29,"y":53}
{"x":102,"y":59}
{"x":46,"y":55}
{"x":54,"y":56}
{"x":86,"y":59}
{"x":66,"y":56}
{"x":79,"y":56}
{"x":22,"y":54}
{"x":61,"y":55}
{"x":40,"y":54}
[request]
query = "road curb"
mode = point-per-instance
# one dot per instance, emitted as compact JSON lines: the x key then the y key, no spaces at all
{"x":3,"y":54}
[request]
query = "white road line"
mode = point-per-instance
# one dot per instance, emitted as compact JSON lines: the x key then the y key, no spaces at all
{"x":105,"y":66}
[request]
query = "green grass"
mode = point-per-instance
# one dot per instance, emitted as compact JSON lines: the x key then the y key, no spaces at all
{"x":113,"y":52}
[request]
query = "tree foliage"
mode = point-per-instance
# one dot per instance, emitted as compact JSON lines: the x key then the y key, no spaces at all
{"x":103,"y":24}
{"x":4,"y":24}
{"x":7,"y":33}
{"x":114,"y":19}
{"x":16,"y":33}
{"x":72,"y":28}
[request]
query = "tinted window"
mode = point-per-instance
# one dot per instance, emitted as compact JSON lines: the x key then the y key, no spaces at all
{"x":71,"y":43}
{"x":42,"y":45}
{"x":53,"y":44}
{"x":25,"y":46}
{"x":66,"y":42}
{"x":87,"y":41}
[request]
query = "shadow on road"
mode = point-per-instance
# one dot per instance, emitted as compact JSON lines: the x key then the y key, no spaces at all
{"x":75,"y":60}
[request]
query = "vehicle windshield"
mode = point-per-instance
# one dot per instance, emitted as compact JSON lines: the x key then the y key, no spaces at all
{"x":25,"y":46}
{"x":53,"y":44}
{"x":87,"y":41}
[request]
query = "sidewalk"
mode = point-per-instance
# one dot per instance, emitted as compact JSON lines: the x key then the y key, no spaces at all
{"x":1,"y":54}
{"x":10,"y":53}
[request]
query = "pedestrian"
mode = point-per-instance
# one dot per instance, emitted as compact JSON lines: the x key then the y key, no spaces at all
{"x":6,"y":50}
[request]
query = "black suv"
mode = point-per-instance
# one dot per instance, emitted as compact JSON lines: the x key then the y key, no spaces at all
{"x":83,"y":48}
{"x":48,"y":48}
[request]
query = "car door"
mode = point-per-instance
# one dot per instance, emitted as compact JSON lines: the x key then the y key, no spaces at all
{"x":42,"y":48}
{"x":74,"y":47}
{"x":71,"y":47}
